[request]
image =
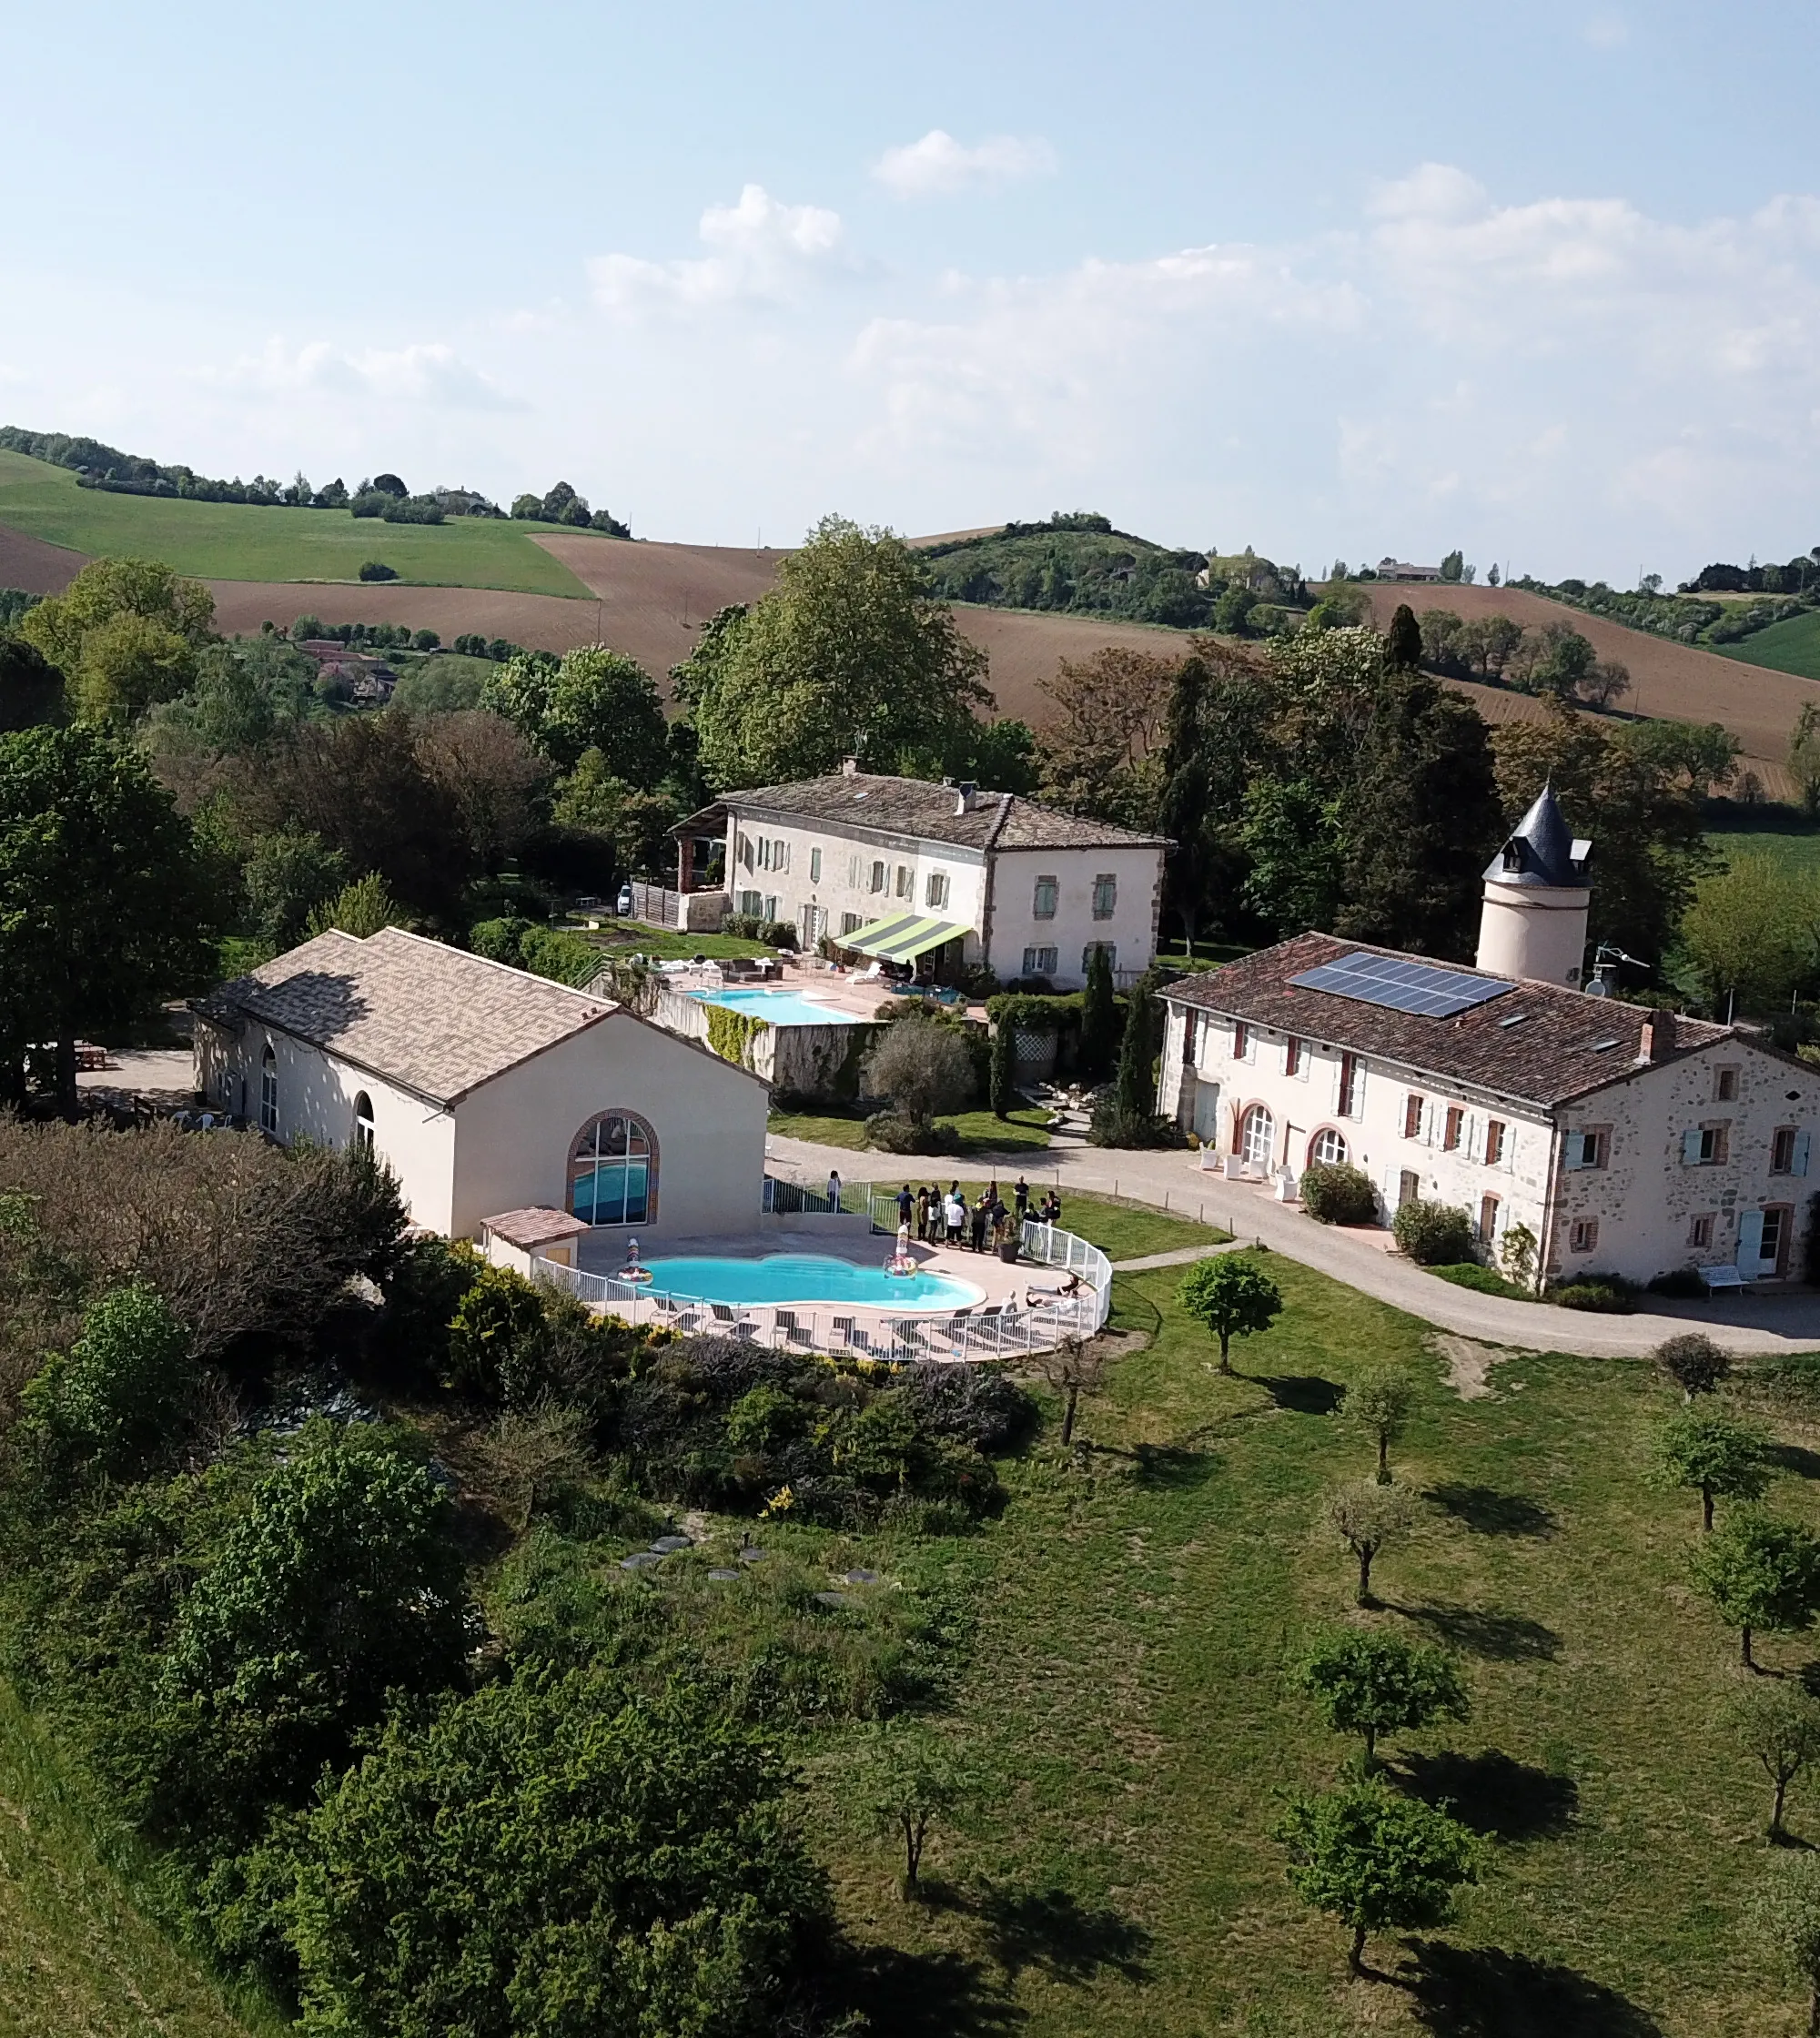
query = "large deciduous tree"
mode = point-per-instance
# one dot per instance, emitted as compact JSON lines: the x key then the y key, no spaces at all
{"x":125,"y":634}
{"x":847,"y":653}
{"x":1750,"y":935}
{"x":103,"y":905}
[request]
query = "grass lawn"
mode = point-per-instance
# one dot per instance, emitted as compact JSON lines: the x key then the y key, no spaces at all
{"x":1125,"y":1697}
{"x":1793,"y":646}
{"x":241,"y":541}
{"x":1781,"y":833}
{"x":76,"y":1955}
{"x":980,"y":1131}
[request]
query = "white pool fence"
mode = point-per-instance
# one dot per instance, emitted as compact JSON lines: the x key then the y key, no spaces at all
{"x":1035,"y":1321}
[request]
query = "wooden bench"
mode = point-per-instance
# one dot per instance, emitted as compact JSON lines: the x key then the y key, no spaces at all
{"x":1718,"y":1277}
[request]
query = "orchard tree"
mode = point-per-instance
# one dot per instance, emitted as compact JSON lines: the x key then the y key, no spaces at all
{"x":1786,"y":1917}
{"x":906,"y":1780}
{"x":1369,"y":1518}
{"x":1777,"y":1721}
{"x":1076,"y":1368}
{"x":104,"y":908}
{"x":1379,"y":1403}
{"x":1693,"y":1362}
{"x":1708,"y":1450}
{"x":1375,"y":1862}
{"x":1233,"y":1296}
{"x":1762,"y":1575}
{"x":1369,"y":1684}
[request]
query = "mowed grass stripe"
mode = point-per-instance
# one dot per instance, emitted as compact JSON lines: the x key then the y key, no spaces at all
{"x":238,"y":541}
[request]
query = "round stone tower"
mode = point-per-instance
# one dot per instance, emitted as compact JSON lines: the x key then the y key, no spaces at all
{"x":1533,"y":921}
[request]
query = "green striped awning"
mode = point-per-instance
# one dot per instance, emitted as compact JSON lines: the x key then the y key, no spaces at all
{"x":901,"y":937}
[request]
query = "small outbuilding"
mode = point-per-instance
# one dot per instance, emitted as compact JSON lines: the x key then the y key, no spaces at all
{"x":487,"y":1090}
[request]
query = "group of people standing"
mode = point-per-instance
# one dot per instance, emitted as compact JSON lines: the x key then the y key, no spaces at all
{"x":939,"y":1219}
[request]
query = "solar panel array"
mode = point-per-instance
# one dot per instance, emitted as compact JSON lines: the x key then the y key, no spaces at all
{"x":1400,"y":986}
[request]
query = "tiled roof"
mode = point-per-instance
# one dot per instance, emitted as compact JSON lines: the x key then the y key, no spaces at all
{"x":1566,"y":1042}
{"x":536,"y":1225}
{"x":435,"y":1019}
{"x":926,"y":810}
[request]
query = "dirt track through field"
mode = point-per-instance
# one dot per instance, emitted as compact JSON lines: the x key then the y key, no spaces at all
{"x":1674,"y":680}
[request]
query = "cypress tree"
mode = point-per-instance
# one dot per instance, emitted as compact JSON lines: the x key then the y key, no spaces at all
{"x":1099,"y":1022}
{"x":1403,"y":640}
{"x":1004,"y":1068}
{"x":1136,"y":1084}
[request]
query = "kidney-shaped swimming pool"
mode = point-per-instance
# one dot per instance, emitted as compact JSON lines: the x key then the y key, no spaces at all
{"x":786,"y":1277}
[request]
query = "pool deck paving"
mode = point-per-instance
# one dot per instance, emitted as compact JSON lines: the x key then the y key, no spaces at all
{"x":1764,"y":1320}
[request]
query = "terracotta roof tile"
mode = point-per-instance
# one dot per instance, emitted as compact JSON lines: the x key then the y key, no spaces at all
{"x":1566,"y":1042}
{"x":436,"y":1019}
{"x":536,"y":1225}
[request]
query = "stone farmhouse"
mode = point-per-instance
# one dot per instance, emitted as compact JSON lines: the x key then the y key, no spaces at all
{"x":1626,"y":1140}
{"x":492,"y":1093}
{"x":905,"y":869}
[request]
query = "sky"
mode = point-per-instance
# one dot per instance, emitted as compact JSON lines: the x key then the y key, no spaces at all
{"x":1542,"y":283}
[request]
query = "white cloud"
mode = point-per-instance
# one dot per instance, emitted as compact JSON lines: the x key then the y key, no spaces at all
{"x":430,"y":374}
{"x":762,"y":251}
{"x":1607,"y":31}
{"x":938,"y":165}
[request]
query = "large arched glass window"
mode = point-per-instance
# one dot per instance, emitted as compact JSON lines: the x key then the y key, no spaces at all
{"x":268,"y":1092}
{"x":363,"y":1122}
{"x":1257,"y":1137}
{"x":1327,"y":1146}
{"x":612,"y":1170}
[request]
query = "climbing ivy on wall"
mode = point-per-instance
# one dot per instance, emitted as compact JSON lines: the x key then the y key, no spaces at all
{"x":731,"y":1034}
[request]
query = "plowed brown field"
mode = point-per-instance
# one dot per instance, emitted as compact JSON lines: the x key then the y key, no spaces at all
{"x":1674,"y":680}
{"x":38,"y":568}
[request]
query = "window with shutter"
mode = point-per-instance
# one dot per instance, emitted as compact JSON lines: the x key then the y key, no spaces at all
{"x":1412,"y":1117}
{"x":1452,"y":1129}
{"x":1750,"y":1240}
{"x":1799,"y":1163}
{"x":814,"y":866}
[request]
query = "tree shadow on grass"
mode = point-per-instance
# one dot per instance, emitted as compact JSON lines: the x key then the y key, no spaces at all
{"x":1159,"y":1464}
{"x":1051,"y":1930}
{"x":1301,"y":1394}
{"x":1488,"y":1512}
{"x":921,"y":1995}
{"x":1803,"y":1463}
{"x":1503,"y":1638}
{"x":1482,"y":1991}
{"x":1492,"y":1792}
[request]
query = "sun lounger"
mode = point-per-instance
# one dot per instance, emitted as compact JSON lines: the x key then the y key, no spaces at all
{"x":794,"y":1333}
{"x":843,"y":1330}
{"x":726,"y":1318}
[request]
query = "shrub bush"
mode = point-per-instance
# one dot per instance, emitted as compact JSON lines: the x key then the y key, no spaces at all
{"x":778,"y":933}
{"x":1336,"y":1194}
{"x":892,"y":1133}
{"x":744,"y":926}
{"x":1469,"y":1274}
{"x":377,"y":569}
{"x":1432,"y":1233}
{"x":1604,"y":1293}
{"x":1684,"y":1283}
{"x":1112,"y":1125}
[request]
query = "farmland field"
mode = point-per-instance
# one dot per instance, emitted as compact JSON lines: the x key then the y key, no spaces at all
{"x":1785,"y":647}
{"x":236,"y":542}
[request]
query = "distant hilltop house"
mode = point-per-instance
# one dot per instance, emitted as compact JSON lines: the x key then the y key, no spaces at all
{"x":906,"y":869}
{"x":506,"y":1105}
{"x":1624,"y":1140}
{"x":1400,"y":570}
{"x":367,"y":679}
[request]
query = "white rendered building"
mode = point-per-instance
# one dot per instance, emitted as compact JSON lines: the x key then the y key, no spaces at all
{"x":1627,"y":1141}
{"x":989,"y":877}
{"x":488,"y":1091}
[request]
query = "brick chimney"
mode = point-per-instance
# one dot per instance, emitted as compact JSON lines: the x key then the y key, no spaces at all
{"x":1646,"y":1044}
{"x":850,"y":767}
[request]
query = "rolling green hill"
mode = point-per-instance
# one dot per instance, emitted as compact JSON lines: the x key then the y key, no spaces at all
{"x":243,"y":541}
{"x":1080,"y":565}
{"x":1790,"y":646}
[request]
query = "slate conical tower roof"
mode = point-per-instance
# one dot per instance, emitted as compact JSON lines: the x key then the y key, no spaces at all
{"x":1539,"y":852}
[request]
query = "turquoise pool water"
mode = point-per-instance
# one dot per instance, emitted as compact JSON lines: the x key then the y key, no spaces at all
{"x":808,"y":1277}
{"x":783,"y":1008}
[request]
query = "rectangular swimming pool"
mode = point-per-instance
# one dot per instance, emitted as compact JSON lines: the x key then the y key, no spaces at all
{"x":782,"y":1008}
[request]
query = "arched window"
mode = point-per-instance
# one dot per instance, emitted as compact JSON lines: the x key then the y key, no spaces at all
{"x":612,"y":1170}
{"x":268,"y":1092}
{"x":363,"y":1122}
{"x":1327,"y":1146}
{"x":1257,"y":1137}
